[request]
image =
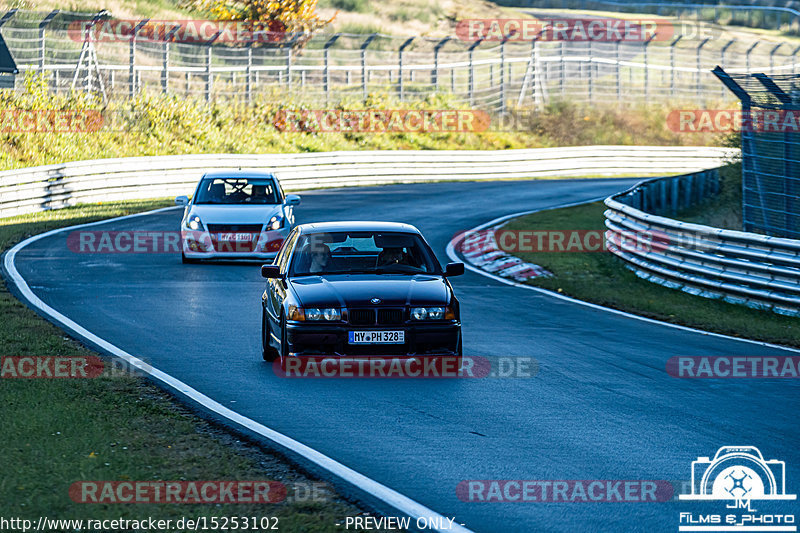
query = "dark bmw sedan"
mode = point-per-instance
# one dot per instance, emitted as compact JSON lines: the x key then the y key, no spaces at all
{"x":359,"y":289}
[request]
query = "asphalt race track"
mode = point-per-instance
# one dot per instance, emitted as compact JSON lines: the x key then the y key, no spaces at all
{"x":602,"y":406}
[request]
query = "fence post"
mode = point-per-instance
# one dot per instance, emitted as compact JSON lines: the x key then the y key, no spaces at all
{"x":471,"y":51}
{"x":747,"y":56}
{"x":42,"y":46}
{"x":165,"y":60}
{"x":646,"y":69}
{"x":364,"y":46}
{"x":435,"y":72}
{"x":722,"y":61}
{"x":590,"y":65}
{"x":289,"y":67}
{"x":326,"y":76}
{"x":132,"y":58}
{"x":209,"y":79}
{"x":400,"y":52}
{"x":771,"y":55}
{"x":672,"y":63}
{"x":699,"y":47}
{"x":502,"y":76}
{"x":619,"y":70}
{"x":562,"y":50}
{"x":249,"y":73}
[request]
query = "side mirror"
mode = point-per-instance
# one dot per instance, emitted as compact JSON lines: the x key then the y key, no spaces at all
{"x":292,"y":199}
{"x":271,"y":271}
{"x":454,"y":269}
{"x":182,"y":200}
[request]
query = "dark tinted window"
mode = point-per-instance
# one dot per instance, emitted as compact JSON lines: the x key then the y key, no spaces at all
{"x":362,"y":252}
{"x":237,"y":191}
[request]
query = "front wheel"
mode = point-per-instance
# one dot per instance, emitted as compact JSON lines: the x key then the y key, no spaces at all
{"x":268,"y":353}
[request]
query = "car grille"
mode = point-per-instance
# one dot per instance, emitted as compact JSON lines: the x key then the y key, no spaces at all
{"x":234,"y":228}
{"x":390,"y":316}
{"x":362,"y":317}
{"x":367,"y":317}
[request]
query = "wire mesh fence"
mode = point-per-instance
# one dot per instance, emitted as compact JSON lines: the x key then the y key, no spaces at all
{"x":770,"y":151}
{"x":491,"y":75}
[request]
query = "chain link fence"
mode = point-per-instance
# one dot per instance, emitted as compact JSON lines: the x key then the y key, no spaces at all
{"x":770,"y":151}
{"x":489,"y":75}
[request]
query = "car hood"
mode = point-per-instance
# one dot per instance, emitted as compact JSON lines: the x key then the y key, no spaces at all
{"x":358,"y":290}
{"x":235,"y":214}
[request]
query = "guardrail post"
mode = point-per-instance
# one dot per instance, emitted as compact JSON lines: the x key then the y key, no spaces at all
{"x":435,"y":72}
{"x":674,"y":194}
{"x":400,"y":53}
{"x":326,"y":75}
{"x":364,"y":46}
{"x":42,"y":45}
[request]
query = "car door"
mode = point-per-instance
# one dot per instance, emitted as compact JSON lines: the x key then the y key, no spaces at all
{"x":277,"y":288}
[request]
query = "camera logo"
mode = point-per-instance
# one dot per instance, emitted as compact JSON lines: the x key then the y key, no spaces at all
{"x":738,"y":473}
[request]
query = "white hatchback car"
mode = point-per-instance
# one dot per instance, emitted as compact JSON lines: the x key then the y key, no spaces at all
{"x":236,"y":214}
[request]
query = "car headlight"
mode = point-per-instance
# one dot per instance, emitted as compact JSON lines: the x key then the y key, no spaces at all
{"x":194,"y":223}
{"x":276,"y":222}
{"x":329,"y":314}
{"x":429,"y":313}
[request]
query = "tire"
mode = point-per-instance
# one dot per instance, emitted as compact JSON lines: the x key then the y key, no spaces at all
{"x":268,"y":353}
{"x":188,"y":260}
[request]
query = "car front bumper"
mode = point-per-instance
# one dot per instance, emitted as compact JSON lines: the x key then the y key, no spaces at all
{"x":305,"y":338}
{"x":205,"y":245}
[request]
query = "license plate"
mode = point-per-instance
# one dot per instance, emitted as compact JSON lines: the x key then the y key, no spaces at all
{"x":238,"y":237}
{"x":377,"y":337}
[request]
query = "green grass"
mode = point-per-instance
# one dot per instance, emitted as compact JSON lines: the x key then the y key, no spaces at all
{"x":166,"y":125}
{"x":59,"y":431}
{"x":601,"y":278}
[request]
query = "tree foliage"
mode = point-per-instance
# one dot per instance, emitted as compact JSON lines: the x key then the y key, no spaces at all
{"x":290,"y":16}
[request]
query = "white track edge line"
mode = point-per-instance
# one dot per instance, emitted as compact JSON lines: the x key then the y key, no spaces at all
{"x":451,"y":253}
{"x":377,"y":490}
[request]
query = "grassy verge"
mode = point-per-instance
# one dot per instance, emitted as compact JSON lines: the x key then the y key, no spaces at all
{"x":169,"y":124}
{"x":58,"y":431}
{"x":601,"y":278}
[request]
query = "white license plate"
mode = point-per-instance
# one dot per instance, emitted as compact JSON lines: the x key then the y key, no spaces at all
{"x":238,"y":237}
{"x":377,"y":337}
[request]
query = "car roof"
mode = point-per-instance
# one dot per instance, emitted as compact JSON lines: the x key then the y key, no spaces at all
{"x":238,"y":174}
{"x":357,"y":225}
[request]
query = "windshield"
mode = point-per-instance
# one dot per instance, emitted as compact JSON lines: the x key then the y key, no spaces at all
{"x":362,"y":253}
{"x":237,"y":191}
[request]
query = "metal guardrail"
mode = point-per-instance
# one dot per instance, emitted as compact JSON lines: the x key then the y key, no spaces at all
{"x":739,"y":267}
{"x":55,"y":186}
